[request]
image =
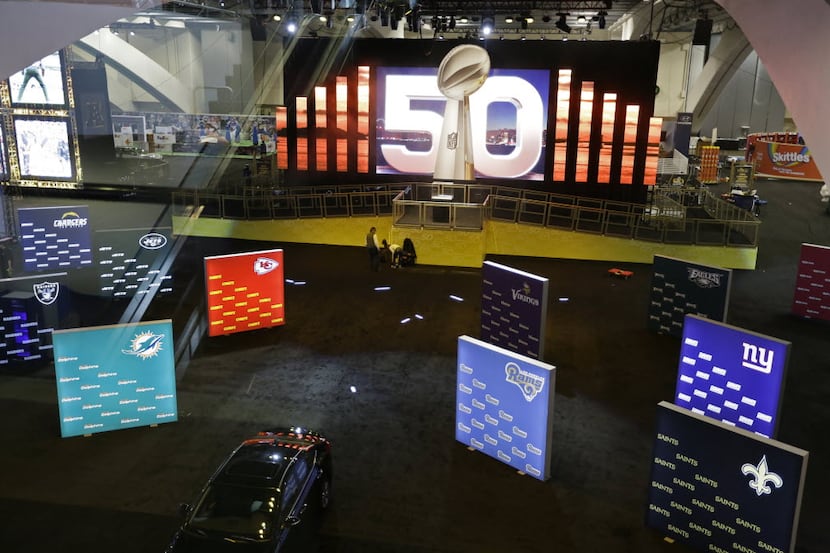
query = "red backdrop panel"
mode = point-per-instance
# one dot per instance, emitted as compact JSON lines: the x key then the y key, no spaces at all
{"x":812,"y":286}
{"x":245,"y":291}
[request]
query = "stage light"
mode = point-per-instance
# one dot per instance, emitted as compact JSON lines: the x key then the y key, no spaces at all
{"x":562,"y":24}
{"x":277,"y":17}
{"x":529,"y":19}
{"x":487,"y":24}
{"x":508,"y":19}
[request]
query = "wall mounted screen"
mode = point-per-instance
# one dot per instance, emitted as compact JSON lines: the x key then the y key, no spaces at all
{"x":55,"y":237}
{"x":40,"y":84}
{"x":718,"y":488}
{"x":514,"y":307}
{"x":245,"y":291}
{"x":504,"y":406}
{"x":115,"y":377}
{"x":44,"y":148}
{"x":679,"y":287}
{"x":812,"y":286}
{"x":731,"y":374}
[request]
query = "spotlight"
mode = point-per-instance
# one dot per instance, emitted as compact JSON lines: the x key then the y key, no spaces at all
{"x":277,"y":17}
{"x":562,"y":24}
{"x":291,"y":26}
{"x":508,"y":19}
{"x":487,"y":24}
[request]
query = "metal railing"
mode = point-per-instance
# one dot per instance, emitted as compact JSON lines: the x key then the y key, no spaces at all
{"x":674,"y":215}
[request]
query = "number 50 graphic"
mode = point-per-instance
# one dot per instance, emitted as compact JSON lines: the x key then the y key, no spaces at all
{"x":529,"y":120}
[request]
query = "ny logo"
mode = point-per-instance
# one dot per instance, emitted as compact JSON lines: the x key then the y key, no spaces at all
{"x":757,"y":358}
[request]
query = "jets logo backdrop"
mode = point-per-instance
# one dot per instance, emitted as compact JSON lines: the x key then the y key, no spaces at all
{"x":244,"y":291}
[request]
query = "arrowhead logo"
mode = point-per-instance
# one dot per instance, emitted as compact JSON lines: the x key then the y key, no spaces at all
{"x":264,"y":265}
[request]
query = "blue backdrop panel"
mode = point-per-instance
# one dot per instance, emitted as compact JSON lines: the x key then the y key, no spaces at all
{"x":719,"y":488}
{"x":504,"y":405}
{"x":731,"y":374}
{"x":113,"y":377}
{"x":514,"y":307}
{"x":679,"y":287}
{"x":55,"y":237}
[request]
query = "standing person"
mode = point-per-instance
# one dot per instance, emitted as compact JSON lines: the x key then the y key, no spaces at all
{"x":373,"y":249}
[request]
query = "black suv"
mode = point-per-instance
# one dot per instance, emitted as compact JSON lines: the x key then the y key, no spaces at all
{"x":258,"y":494}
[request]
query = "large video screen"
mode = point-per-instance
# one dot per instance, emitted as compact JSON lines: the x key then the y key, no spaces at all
{"x":115,"y":377}
{"x":42,"y":83}
{"x":55,"y":237}
{"x":245,"y":291}
{"x":508,"y":115}
{"x":731,"y":374}
{"x":504,"y":406}
{"x":718,"y":488}
{"x":44,"y":148}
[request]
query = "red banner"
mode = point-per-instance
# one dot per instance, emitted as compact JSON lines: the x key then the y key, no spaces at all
{"x":812,"y":287}
{"x":784,"y":161}
{"x":245,"y":291}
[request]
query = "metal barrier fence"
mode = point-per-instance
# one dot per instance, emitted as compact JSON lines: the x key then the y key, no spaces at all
{"x":674,"y":215}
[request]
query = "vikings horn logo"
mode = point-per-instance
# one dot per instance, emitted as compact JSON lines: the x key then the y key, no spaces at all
{"x":46,"y":292}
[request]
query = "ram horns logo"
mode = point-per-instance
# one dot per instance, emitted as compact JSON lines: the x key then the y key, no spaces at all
{"x":145,"y":345}
{"x":529,"y":383}
{"x":152,"y":241}
{"x":761,"y":477}
{"x":264,"y":265}
{"x":46,"y":292}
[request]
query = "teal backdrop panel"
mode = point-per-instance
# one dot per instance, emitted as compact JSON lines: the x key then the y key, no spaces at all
{"x":114,"y":377}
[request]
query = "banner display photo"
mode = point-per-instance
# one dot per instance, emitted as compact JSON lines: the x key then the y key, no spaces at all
{"x":679,"y":287}
{"x":55,"y":237}
{"x":718,"y":488}
{"x":732,"y":375}
{"x":245,"y":291}
{"x":514,"y":308}
{"x":115,"y":377}
{"x":812,"y":285}
{"x":785,"y":161}
{"x":504,"y":406}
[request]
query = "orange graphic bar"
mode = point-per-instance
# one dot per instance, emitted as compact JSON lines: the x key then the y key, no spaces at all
{"x":632,"y":115}
{"x":342,"y":122}
{"x":363,"y":119}
{"x":302,"y":133}
{"x":563,"y":106}
{"x":586,"y":108}
{"x":609,"y":113}
{"x":282,"y":145}
{"x":321,"y":122}
{"x":655,"y":125}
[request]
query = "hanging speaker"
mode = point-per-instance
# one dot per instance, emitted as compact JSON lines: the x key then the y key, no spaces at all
{"x":703,"y":32}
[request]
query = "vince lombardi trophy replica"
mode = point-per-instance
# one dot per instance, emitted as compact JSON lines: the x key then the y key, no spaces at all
{"x":462,"y":71}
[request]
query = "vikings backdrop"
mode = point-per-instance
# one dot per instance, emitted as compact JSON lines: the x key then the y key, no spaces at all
{"x":560,"y":116}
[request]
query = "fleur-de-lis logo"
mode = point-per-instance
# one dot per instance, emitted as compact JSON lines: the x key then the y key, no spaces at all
{"x":762,"y":476}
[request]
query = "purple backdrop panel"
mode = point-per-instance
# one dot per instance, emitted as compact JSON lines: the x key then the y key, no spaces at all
{"x":514,"y":306}
{"x":730,"y":374}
